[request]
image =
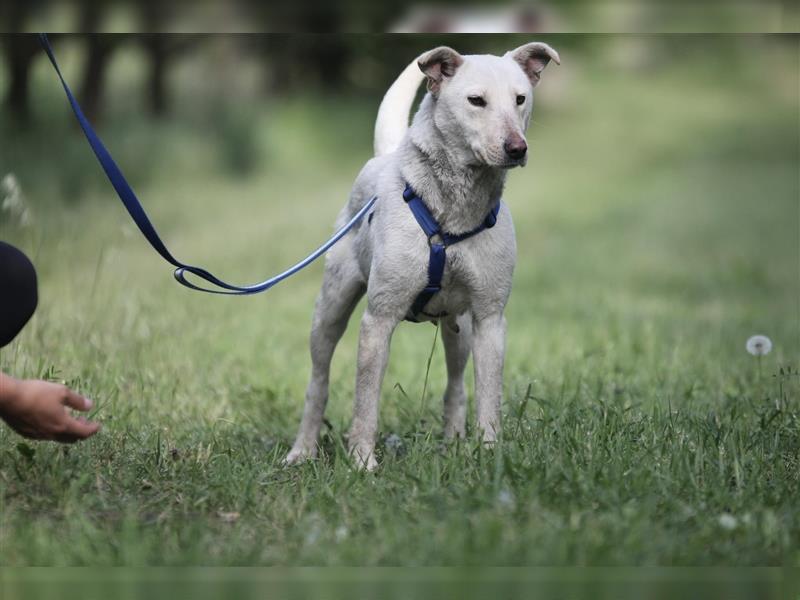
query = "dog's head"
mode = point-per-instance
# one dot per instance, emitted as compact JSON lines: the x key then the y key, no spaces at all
{"x":484,"y":103}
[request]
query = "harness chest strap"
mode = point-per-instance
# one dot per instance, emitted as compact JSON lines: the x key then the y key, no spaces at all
{"x":438,"y":250}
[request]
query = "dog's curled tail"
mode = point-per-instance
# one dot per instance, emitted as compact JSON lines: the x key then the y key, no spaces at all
{"x":392,"y":121}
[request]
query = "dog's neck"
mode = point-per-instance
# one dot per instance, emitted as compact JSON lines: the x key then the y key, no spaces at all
{"x":458,"y":190}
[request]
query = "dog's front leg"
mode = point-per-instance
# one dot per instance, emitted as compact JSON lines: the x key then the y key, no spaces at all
{"x":488,"y":352}
{"x":457,"y":338}
{"x":373,"y":354}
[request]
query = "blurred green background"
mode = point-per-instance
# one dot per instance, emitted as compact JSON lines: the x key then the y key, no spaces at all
{"x":657,"y":226}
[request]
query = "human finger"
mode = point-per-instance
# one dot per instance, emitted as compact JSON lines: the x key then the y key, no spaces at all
{"x":78,"y":429}
{"x":76,"y":401}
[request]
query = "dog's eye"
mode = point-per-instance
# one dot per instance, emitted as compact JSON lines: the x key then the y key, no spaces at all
{"x":520,"y":99}
{"x":476,"y":101}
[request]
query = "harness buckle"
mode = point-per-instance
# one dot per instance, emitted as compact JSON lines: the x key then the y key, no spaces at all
{"x":432,"y":243}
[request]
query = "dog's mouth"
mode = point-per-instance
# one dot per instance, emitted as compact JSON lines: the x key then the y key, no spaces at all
{"x":511,"y":164}
{"x":499,"y":160}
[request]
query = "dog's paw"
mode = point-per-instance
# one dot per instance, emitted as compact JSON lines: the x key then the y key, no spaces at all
{"x":297,"y":456}
{"x":370,"y":464}
{"x":489,"y":441}
{"x":364,"y":459}
{"x":453,"y":432}
{"x":488,"y":434}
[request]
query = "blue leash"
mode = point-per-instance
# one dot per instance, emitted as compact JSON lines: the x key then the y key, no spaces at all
{"x":139,"y":216}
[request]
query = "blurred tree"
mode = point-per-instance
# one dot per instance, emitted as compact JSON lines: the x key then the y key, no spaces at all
{"x":303,"y":60}
{"x":99,"y":48}
{"x":157,"y":50}
{"x":20,"y":49}
{"x":161,"y":49}
{"x":19,"y":52}
{"x":154,"y":15}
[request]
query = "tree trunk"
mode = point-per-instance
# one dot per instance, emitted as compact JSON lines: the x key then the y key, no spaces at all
{"x":20,"y":50}
{"x":99,"y":52}
{"x":155,"y":15}
{"x":157,"y":84}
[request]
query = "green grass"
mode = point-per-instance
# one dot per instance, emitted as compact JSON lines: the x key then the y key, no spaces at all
{"x":657,"y":227}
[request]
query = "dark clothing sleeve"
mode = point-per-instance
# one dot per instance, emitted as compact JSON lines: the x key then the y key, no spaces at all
{"x":18,"y":295}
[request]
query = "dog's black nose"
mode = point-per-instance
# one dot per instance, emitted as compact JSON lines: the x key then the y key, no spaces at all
{"x":515,"y":148}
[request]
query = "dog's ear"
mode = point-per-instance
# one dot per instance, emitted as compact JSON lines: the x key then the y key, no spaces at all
{"x":533,"y":58}
{"x":438,"y":64}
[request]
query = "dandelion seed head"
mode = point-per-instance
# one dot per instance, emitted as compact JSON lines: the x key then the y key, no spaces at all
{"x":759,"y":345}
{"x":12,"y":201}
{"x":728,"y":521}
{"x":341,"y":533}
{"x":506,"y":499}
{"x":9,"y":184}
{"x":12,"y":194}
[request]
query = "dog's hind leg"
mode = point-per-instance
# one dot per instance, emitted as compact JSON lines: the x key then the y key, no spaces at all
{"x":342,"y":288}
{"x":457,"y":338}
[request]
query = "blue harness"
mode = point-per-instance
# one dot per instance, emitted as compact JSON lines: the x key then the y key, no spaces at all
{"x":438,"y":249}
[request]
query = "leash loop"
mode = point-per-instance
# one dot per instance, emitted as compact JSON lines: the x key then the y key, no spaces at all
{"x":139,"y":216}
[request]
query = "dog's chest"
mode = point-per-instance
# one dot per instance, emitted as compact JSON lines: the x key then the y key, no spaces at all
{"x":462,"y":274}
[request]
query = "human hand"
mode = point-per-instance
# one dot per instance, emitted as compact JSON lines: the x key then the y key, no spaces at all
{"x":39,"y":410}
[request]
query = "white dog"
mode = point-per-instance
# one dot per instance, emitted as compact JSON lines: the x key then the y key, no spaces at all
{"x":439,"y":244}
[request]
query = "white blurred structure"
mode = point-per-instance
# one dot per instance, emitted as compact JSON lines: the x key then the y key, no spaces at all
{"x":522,"y":18}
